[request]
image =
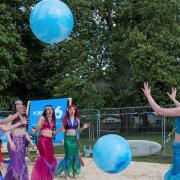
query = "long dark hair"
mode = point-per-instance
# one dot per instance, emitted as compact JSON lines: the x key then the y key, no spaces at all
{"x":18,"y":119}
{"x":44,"y":114}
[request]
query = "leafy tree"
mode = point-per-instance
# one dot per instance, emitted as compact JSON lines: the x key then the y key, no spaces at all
{"x":12,"y":55}
{"x":114,"y":47}
{"x":145,"y":45}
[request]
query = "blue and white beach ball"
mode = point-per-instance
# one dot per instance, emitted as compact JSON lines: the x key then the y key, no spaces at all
{"x":112,"y":153}
{"x":51,"y":21}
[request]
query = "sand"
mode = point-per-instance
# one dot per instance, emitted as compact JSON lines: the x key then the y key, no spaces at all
{"x":135,"y":171}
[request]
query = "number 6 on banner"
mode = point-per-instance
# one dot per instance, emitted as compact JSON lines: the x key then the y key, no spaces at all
{"x":58,"y":112}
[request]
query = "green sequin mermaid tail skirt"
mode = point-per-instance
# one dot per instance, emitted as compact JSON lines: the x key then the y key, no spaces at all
{"x":71,"y":164}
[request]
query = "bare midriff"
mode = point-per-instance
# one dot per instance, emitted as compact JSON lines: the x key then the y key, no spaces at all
{"x":177,"y":137}
{"x":18,"y":131}
{"x":71,"y":132}
{"x":47,"y":133}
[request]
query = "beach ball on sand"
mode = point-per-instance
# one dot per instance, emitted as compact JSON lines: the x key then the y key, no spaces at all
{"x":51,"y":21}
{"x":112,"y":153}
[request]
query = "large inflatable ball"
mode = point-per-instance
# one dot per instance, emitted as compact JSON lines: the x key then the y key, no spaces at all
{"x":112,"y":153}
{"x":51,"y":21}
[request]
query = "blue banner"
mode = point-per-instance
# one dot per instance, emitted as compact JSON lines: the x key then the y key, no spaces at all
{"x":37,"y":108}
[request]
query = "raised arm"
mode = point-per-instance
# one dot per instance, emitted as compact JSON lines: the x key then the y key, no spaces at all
{"x":85,"y":126}
{"x":172,"y":96}
{"x":12,"y":117}
{"x":14,"y":126}
{"x":159,"y":110}
{"x":40,"y":123}
{"x":9,"y":119}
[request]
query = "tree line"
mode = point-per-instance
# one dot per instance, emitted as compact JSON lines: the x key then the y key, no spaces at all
{"x":115,"y":46}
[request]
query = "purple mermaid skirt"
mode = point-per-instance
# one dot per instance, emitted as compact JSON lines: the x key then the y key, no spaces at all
{"x":17,"y":168}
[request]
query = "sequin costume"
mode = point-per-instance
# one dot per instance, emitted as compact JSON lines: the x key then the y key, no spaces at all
{"x":17,"y":168}
{"x":71,"y":164}
{"x":174,"y":172}
{"x":46,"y":163}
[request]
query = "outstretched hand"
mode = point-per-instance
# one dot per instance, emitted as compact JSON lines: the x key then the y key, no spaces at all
{"x":86,"y":125}
{"x":172,"y":95}
{"x":146,"y":89}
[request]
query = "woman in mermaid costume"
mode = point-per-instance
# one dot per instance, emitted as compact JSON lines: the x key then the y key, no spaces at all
{"x":46,"y":163}
{"x":174,"y":172}
{"x":71,"y":164}
{"x":4,"y":127}
{"x":17,"y":168}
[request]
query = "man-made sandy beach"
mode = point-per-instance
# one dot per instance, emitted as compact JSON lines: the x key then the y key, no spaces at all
{"x":135,"y":171}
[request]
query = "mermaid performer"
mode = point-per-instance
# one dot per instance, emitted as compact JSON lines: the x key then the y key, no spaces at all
{"x":71,"y":164}
{"x":46,"y":163}
{"x":17,"y":168}
{"x":175,"y":169}
{"x":8,"y":128}
{"x":174,"y":172}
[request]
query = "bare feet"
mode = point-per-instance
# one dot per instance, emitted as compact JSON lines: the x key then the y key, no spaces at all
{"x":74,"y":176}
{"x":67,"y":177}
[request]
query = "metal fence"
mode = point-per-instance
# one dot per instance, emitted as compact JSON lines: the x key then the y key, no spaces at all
{"x":139,"y":123}
{"x":132,"y":123}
